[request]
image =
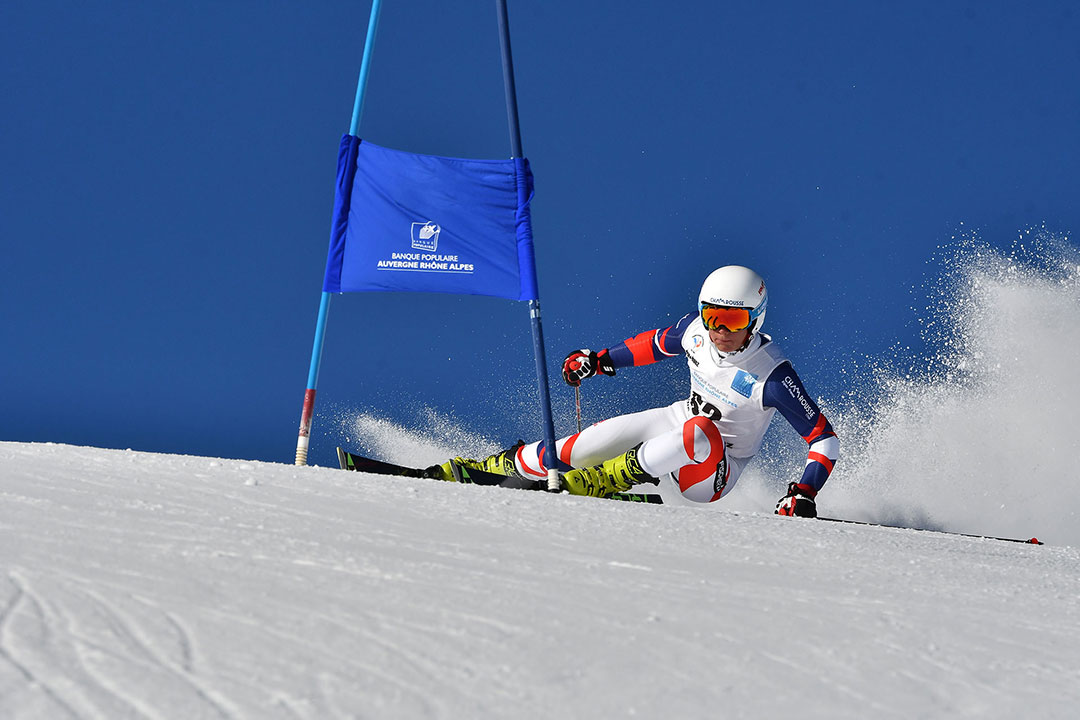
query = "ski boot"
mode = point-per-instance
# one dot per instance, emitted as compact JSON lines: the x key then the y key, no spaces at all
{"x":501,"y":463}
{"x":615,"y":475}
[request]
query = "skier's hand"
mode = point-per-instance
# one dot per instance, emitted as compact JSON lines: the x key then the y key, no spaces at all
{"x":585,"y":363}
{"x":799,"y":502}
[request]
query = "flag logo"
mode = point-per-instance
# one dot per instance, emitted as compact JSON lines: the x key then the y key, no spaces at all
{"x":425,"y":236}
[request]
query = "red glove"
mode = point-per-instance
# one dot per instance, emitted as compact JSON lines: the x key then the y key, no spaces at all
{"x":799,"y":502}
{"x":585,"y":363}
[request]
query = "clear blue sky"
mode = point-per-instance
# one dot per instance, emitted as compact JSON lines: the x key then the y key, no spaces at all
{"x":168,"y":175}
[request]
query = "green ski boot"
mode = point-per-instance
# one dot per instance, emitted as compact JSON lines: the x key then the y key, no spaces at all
{"x":501,"y":463}
{"x":618,"y":474}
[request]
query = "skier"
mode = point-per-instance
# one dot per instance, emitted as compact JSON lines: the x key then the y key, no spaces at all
{"x":738,"y":379}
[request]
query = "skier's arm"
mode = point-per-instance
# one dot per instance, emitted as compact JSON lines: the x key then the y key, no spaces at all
{"x":785,"y":392}
{"x":650,"y":346}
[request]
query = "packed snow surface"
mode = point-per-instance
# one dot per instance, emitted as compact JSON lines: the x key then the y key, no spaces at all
{"x":150,"y":586}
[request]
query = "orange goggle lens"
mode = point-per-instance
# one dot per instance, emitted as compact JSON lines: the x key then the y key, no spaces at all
{"x":732,"y":318}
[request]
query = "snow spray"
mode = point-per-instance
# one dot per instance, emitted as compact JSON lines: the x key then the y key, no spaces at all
{"x":980,"y":435}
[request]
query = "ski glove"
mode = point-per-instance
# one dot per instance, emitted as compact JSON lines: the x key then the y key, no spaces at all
{"x":585,"y":363}
{"x":799,"y":502}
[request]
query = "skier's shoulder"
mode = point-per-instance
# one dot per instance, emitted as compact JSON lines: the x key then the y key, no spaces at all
{"x":692,"y":331}
{"x":762,"y":357}
{"x":770,"y":349}
{"x":684,"y":323}
{"x":782,"y":380}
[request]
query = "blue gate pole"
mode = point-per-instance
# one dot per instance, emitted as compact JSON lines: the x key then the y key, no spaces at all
{"x":534,"y":305}
{"x":303,"y":441}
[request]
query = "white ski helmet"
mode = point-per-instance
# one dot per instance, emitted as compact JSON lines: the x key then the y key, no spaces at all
{"x":735,"y":286}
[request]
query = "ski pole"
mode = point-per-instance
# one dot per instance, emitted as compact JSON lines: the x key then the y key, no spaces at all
{"x":577,"y":405}
{"x":1031,"y":541}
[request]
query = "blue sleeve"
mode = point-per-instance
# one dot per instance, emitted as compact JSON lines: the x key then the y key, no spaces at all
{"x":784,"y":391}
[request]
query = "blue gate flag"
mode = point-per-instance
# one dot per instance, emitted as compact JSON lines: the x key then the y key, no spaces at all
{"x":422,"y":223}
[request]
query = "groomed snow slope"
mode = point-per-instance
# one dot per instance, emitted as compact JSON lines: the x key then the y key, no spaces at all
{"x":152,"y":586}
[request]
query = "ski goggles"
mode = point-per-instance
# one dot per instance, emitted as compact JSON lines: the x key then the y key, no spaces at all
{"x":733,"y":319}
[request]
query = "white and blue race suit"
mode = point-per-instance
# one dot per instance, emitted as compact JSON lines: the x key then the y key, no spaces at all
{"x":704,"y":441}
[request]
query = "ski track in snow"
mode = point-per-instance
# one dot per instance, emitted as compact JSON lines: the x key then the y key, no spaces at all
{"x":149,"y":586}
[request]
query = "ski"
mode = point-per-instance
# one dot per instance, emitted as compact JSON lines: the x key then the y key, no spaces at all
{"x":467,"y":475}
{"x":1032,"y":541}
{"x":470,"y":476}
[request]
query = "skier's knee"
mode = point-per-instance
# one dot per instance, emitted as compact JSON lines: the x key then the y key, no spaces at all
{"x":705,"y":478}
